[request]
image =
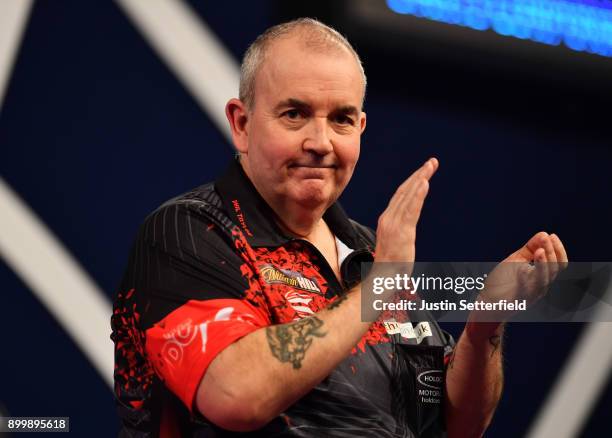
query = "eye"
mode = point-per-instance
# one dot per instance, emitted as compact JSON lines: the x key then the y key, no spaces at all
{"x":292,"y":114}
{"x":344,"y":120}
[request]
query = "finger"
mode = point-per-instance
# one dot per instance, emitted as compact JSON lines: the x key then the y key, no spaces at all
{"x":524,"y":271}
{"x":425,"y":171}
{"x":541,"y":269}
{"x":536,"y":241}
{"x":428,"y":168}
{"x":532,"y":245}
{"x":551,"y":258}
{"x":559,"y":250}
{"x":430,"y":171}
{"x":406,"y":190}
{"x":434,"y":167}
{"x":422,"y":180}
{"x":414,"y":208}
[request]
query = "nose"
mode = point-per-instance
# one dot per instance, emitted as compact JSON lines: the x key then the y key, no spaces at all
{"x":318,"y":140}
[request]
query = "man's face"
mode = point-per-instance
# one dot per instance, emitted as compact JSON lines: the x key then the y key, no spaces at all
{"x":303,"y":133}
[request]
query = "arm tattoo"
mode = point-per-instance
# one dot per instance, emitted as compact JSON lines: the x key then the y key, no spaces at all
{"x":338,"y":301}
{"x":495,"y":341}
{"x":289,"y":342}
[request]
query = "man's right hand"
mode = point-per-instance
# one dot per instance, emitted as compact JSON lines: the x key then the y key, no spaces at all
{"x":396,"y":231}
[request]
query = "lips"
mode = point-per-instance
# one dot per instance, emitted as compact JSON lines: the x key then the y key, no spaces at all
{"x":313,"y":166}
{"x":311,"y":172}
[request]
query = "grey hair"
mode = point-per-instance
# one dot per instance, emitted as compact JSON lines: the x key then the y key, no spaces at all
{"x":317,"y":36}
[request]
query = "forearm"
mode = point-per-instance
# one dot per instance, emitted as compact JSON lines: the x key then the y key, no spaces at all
{"x":259,"y":376}
{"x":474,"y":379}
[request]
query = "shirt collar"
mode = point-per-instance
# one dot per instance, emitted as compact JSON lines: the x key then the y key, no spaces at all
{"x":255,"y":217}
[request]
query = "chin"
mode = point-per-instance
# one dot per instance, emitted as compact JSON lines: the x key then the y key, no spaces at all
{"x":313,"y":197}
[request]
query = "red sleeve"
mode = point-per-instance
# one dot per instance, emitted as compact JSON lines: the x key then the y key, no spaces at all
{"x":182,"y":345}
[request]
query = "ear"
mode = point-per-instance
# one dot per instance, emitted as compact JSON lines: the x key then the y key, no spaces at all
{"x":237,"y":116}
{"x":362,"y":122}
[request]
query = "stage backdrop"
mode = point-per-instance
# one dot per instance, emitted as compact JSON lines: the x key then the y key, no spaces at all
{"x":97,"y":128}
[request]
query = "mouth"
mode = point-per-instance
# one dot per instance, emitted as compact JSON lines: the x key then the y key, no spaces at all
{"x":312,"y":171}
{"x":313,"y":166}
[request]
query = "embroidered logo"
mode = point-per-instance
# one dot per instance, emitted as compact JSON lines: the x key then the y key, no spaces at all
{"x":430,"y":386}
{"x":273,"y":275}
{"x":240,"y":217}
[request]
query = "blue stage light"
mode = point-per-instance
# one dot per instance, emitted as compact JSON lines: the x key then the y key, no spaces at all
{"x":582,"y":25}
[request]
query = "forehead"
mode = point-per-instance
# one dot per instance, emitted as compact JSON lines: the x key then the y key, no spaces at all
{"x":292,"y":69}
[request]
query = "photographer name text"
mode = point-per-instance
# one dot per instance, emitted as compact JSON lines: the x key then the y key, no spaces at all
{"x":444,"y":305}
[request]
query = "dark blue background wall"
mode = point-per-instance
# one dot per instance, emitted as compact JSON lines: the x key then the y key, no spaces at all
{"x":95,"y":132}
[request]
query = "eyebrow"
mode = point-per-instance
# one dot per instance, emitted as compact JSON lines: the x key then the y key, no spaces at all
{"x":300,"y":104}
{"x":347,"y":110}
{"x":291,"y":102}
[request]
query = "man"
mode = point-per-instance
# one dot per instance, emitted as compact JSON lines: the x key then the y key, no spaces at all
{"x":240,"y":307}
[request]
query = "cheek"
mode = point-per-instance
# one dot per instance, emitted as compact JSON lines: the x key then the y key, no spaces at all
{"x":275,"y":147}
{"x":347,"y":152}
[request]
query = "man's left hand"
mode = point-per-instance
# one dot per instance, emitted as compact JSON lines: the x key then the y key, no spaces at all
{"x":524,"y":275}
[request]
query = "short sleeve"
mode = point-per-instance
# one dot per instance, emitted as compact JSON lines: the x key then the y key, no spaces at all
{"x":190,"y":294}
